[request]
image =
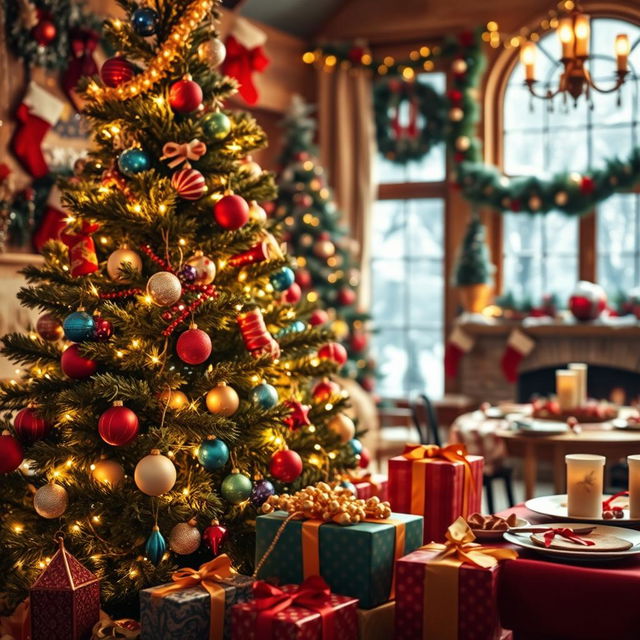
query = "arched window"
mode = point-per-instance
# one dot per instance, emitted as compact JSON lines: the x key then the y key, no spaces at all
{"x":547,"y":254}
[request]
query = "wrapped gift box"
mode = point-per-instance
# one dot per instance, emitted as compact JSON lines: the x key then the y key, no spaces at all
{"x":375,"y":485}
{"x":356,"y":560}
{"x":187,"y":613}
{"x":377,"y":623}
{"x":297,"y":622}
{"x":435,"y":488}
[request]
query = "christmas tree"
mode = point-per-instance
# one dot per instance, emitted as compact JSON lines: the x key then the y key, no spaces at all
{"x":166,"y":388}
{"x":474,"y":265}
{"x":327,"y":271}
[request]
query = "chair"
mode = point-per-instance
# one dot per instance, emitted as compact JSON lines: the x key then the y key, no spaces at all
{"x":426,"y":424}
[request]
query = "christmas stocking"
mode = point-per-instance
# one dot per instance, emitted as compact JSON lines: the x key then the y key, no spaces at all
{"x":53,"y":220}
{"x":459,"y":342}
{"x":38,"y":112}
{"x":519,"y":346}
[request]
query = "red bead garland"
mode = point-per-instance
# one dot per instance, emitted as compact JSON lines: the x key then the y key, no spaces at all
{"x":125,"y":293}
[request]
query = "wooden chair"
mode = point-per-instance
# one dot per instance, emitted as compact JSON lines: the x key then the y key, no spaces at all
{"x":426,"y":424}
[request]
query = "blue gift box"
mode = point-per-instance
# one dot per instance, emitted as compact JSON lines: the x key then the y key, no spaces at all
{"x":355,"y":560}
{"x":186,"y":613}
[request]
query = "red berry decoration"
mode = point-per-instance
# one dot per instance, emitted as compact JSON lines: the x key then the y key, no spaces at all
{"x":293,"y":294}
{"x":285,"y":465}
{"x":189,"y":184}
{"x":346,"y":297}
{"x":118,"y":425}
{"x":333,"y":351}
{"x":11,"y":454}
{"x":324,"y":390}
{"x":75,"y":365}
{"x":185,"y":95}
{"x":193,"y":346}
{"x":318,"y":317}
{"x":231,"y":212}
{"x":29,"y":426}
{"x":102,"y":329}
{"x":116,"y":71}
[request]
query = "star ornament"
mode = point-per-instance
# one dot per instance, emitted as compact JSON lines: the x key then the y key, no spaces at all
{"x":299,"y":416}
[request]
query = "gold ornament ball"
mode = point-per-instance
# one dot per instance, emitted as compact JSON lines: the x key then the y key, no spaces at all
{"x":463,"y":143}
{"x":213,"y":52}
{"x":343,"y":426}
{"x":108,"y":472}
{"x":117,"y":258}
{"x":164,"y":288}
{"x":223,"y":400}
{"x":176,"y":399}
{"x":456,"y":114}
{"x":459,"y":66}
{"x":561,"y":198}
{"x":185,"y":538}
{"x":257,"y":213}
{"x":51,"y":501}
{"x":534,"y":203}
{"x":155,"y":474}
{"x":341,"y":329}
{"x":324,"y":248}
{"x":306,"y":240}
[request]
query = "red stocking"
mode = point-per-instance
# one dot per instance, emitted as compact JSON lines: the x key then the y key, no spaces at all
{"x":459,"y":342}
{"x":519,"y":346}
{"x":53,"y":221}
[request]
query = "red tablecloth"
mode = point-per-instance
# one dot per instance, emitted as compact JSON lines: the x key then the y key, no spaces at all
{"x":543,"y":600}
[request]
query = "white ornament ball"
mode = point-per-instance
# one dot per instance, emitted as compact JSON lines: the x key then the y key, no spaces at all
{"x":155,"y":474}
{"x":251,"y":168}
{"x":257,"y":213}
{"x":205,"y":268}
{"x":51,"y":501}
{"x":213,"y":52}
{"x":117,"y":258}
{"x":185,"y":538}
{"x":164,"y":288}
{"x":343,"y":426}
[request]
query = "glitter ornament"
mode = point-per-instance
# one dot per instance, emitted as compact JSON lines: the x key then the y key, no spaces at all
{"x":213,"y":52}
{"x":164,"y":288}
{"x":265,"y":396}
{"x":76,"y":366}
{"x":343,"y":426}
{"x":120,"y":258}
{"x":116,"y":71}
{"x":155,"y":474}
{"x":108,"y":472}
{"x":214,"y":537}
{"x":29,"y":426}
{"x":51,"y":501}
{"x":236,"y":487}
{"x":49,"y":328}
{"x":185,"y":538}
{"x":144,"y":21}
{"x":78,"y":326}
{"x":118,"y":425}
{"x":282,"y":279}
{"x":189,"y":184}
{"x":216,"y":125}
{"x":261,"y":492}
{"x":205,"y":268}
{"x":285,"y":465}
{"x":213,"y":454}
{"x":193,"y":346}
{"x":231,"y":212}
{"x":11,"y":453}
{"x":133,"y":161}
{"x":185,"y":95}
{"x":222,"y":400}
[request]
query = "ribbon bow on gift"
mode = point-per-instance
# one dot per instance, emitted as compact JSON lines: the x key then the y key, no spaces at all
{"x":207,"y":576}
{"x":184,"y":152}
{"x":460,"y":546}
{"x":313,"y":593}
{"x":568,"y":534}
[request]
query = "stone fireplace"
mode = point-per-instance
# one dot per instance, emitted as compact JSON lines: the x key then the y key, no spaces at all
{"x":613,"y":354}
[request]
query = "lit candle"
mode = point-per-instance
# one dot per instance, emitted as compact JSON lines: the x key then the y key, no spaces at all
{"x":566,"y":35}
{"x":622,"y":51}
{"x":528,"y":55}
{"x":582,"y":30}
{"x":567,"y":388}
{"x":585,"y":475}
{"x":634,"y":486}
{"x":581,"y":370}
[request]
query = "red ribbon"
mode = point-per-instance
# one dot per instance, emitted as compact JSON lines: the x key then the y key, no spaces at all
{"x":567,"y":533}
{"x":240,"y":63}
{"x":313,"y":593}
{"x":607,"y":504}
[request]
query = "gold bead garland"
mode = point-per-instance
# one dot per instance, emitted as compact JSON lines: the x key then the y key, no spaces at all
{"x":322,"y":502}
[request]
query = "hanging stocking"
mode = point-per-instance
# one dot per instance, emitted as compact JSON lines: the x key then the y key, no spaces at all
{"x":53,"y":220}
{"x":519,"y":346}
{"x":38,"y":112}
{"x":459,"y":342}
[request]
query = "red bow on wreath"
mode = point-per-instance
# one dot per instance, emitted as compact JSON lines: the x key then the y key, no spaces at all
{"x":404,"y":90}
{"x":241,"y":63}
{"x":83,"y":43}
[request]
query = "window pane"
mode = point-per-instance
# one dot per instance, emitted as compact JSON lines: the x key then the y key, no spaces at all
{"x":426,"y":289}
{"x":391,"y":360}
{"x":567,"y":150}
{"x":616,"y":220}
{"x":389,"y":293}
{"x":561,"y":234}
{"x":523,"y":277}
{"x":425,"y":227}
{"x":522,"y":233}
{"x":523,"y":152}
{"x":611,"y":142}
{"x":560,"y":276}
{"x":617,"y":273}
{"x":424,"y":364}
{"x":388,"y":229}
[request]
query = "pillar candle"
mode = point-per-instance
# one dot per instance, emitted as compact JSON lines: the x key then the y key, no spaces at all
{"x":634,"y":486}
{"x":567,"y":389}
{"x":585,"y":475}
{"x":581,"y":369}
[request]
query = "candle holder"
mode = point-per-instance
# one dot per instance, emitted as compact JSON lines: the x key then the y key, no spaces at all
{"x":585,"y":477}
{"x":567,"y":388}
{"x":581,"y":371}
{"x":634,"y":486}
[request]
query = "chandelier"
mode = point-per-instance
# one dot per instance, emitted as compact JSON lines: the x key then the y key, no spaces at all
{"x":574,"y":31}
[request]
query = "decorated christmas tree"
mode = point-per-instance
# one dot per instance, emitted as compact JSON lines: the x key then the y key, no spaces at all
{"x":474,"y":265}
{"x":165,"y":391}
{"x":325,"y":252}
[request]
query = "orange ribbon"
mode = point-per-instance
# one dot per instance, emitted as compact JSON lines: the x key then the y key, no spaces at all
{"x":426,"y":453}
{"x":184,"y":152}
{"x":207,"y":576}
{"x":313,"y":593}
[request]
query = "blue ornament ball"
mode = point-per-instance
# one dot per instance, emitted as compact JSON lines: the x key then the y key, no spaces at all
{"x":345,"y":484}
{"x":282,"y":279}
{"x":78,"y":326}
{"x":265,"y":395}
{"x":298,"y":326}
{"x":236,"y":488}
{"x":216,"y":125}
{"x":356,"y":446}
{"x":156,"y":546}
{"x":261,"y":492}
{"x":213,"y":454}
{"x":133,"y":161}
{"x":144,"y":21}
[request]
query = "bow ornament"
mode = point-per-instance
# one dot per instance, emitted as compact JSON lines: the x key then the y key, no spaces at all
{"x":184,"y":152}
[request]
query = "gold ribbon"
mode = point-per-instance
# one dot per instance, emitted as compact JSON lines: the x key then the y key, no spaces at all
{"x":426,"y":453}
{"x":207,"y":576}
{"x":184,"y":152}
{"x":440,"y":611}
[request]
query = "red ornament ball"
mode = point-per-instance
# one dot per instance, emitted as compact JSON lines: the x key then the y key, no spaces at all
{"x":285,"y":465}
{"x":11,"y":454}
{"x":318,"y":317}
{"x":118,"y":425}
{"x":588,"y":301}
{"x":365,"y":458}
{"x":116,"y":71}
{"x":185,"y":95}
{"x":45,"y":32}
{"x":189,"y":184}
{"x":333,"y":351}
{"x":303,"y":278}
{"x":102,"y":329}
{"x":75,"y":365}
{"x":214,"y":537}
{"x":346,"y":297}
{"x":293,"y":294}
{"x":359,"y":341}
{"x":231,"y":212}
{"x":49,"y":327}
{"x":324,"y":390}
{"x":29,"y":426}
{"x":587,"y":185}
{"x":193,"y":346}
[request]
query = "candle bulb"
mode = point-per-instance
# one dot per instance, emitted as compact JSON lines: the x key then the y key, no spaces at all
{"x":566,"y":35}
{"x":622,"y":48}
{"x":634,"y":486}
{"x":567,"y":389}
{"x":585,"y":476}
{"x":582,"y":30}
{"x":528,"y":55}
{"x":581,"y":371}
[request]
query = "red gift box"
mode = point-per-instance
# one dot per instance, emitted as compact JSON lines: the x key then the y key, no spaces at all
{"x":439,"y":483}
{"x":306,"y":612}
{"x":448,"y":591}
{"x":371,"y":485}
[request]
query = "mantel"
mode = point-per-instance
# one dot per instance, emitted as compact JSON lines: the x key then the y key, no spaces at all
{"x":559,"y":329}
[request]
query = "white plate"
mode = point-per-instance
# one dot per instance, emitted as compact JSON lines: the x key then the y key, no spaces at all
{"x":621,"y":423}
{"x":539,"y":427}
{"x":524,"y":540}
{"x":492,"y":534}
{"x":556,"y":507}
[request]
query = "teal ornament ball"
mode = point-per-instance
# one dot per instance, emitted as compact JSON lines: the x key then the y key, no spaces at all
{"x":78,"y":326}
{"x":356,"y":446}
{"x":295,"y":327}
{"x":236,"y":488}
{"x":156,"y":546}
{"x":213,"y":454}
{"x":282,"y":279}
{"x":133,"y":161}
{"x":144,"y":21}
{"x":345,"y":484}
{"x":216,"y":125}
{"x":265,"y":395}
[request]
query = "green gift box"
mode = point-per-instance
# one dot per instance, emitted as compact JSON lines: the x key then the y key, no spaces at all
{"x":355,"y":560}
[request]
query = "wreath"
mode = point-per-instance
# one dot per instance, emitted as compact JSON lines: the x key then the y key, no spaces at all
{"x":402,"y":139}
